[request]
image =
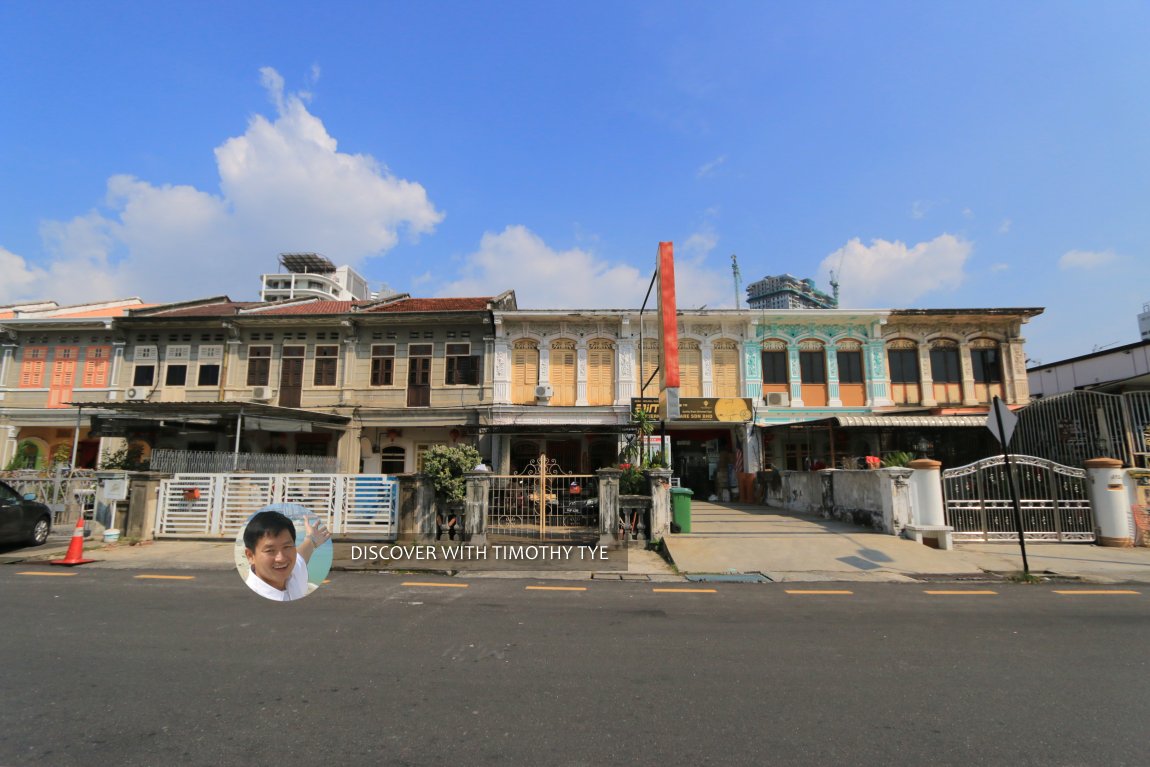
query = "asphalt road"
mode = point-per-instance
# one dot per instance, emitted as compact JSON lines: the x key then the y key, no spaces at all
{"x":104,"y":667}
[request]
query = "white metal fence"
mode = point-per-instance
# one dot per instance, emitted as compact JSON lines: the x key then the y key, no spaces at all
{"x":66,"y":493}
{"x":199,"y":505}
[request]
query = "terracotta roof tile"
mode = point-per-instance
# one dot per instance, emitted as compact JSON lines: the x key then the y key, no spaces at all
{"x":435,"y":305}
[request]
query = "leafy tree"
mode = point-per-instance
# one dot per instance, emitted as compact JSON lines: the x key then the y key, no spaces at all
{"x":127,"y":458}
{"x":446,"y":465}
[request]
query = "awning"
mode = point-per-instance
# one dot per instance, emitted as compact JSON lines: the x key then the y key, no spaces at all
{"x":211,"y":411}
{"x":896,"y":421}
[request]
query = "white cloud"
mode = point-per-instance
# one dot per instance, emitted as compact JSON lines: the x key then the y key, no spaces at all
{"x":1004,"y":227}
{"x":544,"y":277}
{"x":967,"y":213}
{"x":894,"y":275}
{"x":708,"y":169}
{"x":284,"y":186}
{"x":19,"y":278}
{"x":1085,"y":259}
{"x":996,"y":268}
{"x":919,"y":208}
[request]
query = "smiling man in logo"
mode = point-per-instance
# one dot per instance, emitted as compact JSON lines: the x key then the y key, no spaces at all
{"x":278,"y":566}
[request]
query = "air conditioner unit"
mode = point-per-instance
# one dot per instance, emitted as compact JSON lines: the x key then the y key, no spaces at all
{"x":137,"y":393}
{"x":778,"y":399}
{"x":262,"y":393}
{"x":543,"y":391}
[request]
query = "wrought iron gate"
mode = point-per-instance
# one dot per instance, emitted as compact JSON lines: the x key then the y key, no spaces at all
{"x":1054,"y":500}
{"x":543,"y":502}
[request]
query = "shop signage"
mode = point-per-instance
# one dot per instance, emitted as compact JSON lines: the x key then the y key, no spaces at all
{"x":648,"y":405}
{"x":728,"y":409}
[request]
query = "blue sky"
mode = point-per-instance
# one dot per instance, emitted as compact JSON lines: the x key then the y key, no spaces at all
{"x":940,"y":154}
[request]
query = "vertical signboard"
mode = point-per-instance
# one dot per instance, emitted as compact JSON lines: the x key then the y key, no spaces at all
{"x":668,"y":333}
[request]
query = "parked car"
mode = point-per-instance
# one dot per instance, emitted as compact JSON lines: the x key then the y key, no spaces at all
{"x":22,"y":518}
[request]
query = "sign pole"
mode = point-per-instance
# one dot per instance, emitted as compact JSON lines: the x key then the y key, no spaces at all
{"x":1004,"y":439}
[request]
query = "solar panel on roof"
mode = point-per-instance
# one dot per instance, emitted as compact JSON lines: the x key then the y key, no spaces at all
{"x":306,"y":263}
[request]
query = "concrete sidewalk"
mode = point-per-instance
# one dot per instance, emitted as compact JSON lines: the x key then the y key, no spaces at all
{"x":786,"y":546}
{"x":726,"y":539}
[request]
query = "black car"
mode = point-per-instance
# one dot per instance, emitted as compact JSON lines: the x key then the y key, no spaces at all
{"x":22,"y":518}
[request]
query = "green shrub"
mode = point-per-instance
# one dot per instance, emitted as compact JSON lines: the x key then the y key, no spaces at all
{"x":446,"y":465}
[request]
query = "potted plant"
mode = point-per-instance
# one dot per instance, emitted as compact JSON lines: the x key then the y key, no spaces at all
{"x":446,"y":467}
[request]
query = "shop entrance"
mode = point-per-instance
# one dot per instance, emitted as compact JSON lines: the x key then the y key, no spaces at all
{"x":699,"y":456}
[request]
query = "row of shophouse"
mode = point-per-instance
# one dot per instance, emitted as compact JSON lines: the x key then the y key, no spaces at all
{"x":369,"y":383}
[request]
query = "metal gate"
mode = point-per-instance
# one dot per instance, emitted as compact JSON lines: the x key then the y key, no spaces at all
{"x":544,"y":503}
{"x":199,"y":505}
{"x":1054,"y":500}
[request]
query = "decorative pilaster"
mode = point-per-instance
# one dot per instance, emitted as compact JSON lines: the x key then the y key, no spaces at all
{"x":795,"y":373}
{"x":581,"y":373}
{"x":834,"y":398}
{"x":968,"y":396}
{"x":752,"y":370}
{"x":707,"y":354}
{"x":926,"y":381}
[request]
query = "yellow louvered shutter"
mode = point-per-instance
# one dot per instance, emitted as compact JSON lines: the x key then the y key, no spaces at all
{"x":725,"y":369}
{"x":524,"y":373}
{"x":600,"y":372}
{"x":690,"y":369}
{"x":562,"y":376}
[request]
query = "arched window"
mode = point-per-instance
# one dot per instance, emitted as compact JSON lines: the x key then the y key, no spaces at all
{"x":524,"y":371}
{"x":690,"y":368}
{"x":813,"y":372}
{"x":852,"y":383}
{"x":986,"y":364}
{"x":600,"y":372}
{"x":393,"y":460}
{"x":725,"y":368}
{"x":905,"y":380}
{"x":650,"y":365}
{"x":776,"y":370}
{"x":946,"y":372}
{"x":563,"y":371}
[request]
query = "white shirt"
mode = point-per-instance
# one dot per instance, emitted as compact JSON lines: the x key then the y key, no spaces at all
{"x":296,"y":586}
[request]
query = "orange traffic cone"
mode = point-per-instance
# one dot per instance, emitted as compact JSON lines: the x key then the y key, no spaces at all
{"x":75,"y":555}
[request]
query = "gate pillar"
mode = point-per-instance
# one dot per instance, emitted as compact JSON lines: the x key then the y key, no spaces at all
{"x":608,"y":505}
{"x":1111,"y":505}
{"x":475,"y":511}
{"x":660,"y":502}
{"x":926,"y":484}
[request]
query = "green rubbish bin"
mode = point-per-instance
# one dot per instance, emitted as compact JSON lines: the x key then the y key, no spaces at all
{"x":681,"y":508}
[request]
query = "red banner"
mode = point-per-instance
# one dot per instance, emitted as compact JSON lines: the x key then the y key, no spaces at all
{"x":668,"y":322}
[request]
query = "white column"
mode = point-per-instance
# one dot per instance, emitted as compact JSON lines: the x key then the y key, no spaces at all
{"x":926,"y":484}
{"x":1109,"y":497}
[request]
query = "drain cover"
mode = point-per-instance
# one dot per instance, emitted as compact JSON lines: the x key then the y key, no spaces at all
{"x":729,"y":578}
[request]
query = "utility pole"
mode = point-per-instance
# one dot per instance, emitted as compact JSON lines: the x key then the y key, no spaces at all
{"x":738,"y":279}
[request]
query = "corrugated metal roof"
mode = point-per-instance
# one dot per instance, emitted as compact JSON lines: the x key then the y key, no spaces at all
{"x":309,"y":307}
{"x":909,"y":421}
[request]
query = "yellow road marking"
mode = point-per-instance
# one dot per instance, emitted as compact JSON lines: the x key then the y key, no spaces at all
{"x":685,"y":591}
{"x":167,"y":577}
{"x":816,"y":591}
{"x":51,"y":575}
{"x":556,"y":588}
{"x":1097,"y":591}
{"x":436,"y":585}
{"x":960,"y":592}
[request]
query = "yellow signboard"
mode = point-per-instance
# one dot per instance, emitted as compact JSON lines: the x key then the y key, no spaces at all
{"x":726,"y":409}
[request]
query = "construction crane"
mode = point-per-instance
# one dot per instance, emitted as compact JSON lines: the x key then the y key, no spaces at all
{"x":738,"y":279}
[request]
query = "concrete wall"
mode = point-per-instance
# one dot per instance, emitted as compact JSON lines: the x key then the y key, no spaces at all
{"x":879,"y":499}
